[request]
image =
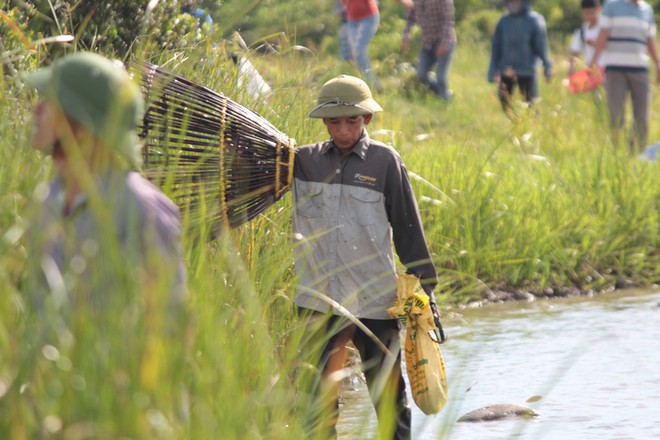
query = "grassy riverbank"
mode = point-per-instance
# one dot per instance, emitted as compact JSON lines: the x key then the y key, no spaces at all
{"x":543,"y":204}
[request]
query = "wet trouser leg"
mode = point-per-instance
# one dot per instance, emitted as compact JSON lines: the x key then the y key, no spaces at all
{"x":383,"y":374}
{"x":324,"y":409}
{"x":384,"y":378}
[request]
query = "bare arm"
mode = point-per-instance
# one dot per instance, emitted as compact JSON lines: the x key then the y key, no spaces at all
{"x":410,"y":22}
{"x":601,"y":42}
{"x":572,"y":61}
{"x":576,"y":48}
{"x":653,"y":53}
{"x":408,"y":4}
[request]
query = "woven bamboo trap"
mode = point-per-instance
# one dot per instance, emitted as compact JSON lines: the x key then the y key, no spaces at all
{"x":219,"y":161}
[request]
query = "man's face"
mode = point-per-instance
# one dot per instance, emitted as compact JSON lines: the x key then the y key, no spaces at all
{"x":515,"y":6}
{"x":44,"y":130}
{"x":55,"y":134}
{"x":590,"y":15}
{"x":49,"y":124}
{"x":345,"y":132}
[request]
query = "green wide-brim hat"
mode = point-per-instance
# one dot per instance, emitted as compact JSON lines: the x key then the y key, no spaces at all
{"x":344,"y":97}
{"x":98,"y":94}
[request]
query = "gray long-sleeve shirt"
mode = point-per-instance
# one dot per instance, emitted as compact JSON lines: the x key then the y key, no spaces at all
{"x":92,"y":248}
{"x":347,"y":214}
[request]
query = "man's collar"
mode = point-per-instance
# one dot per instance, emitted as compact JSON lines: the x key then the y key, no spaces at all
{"x":104,"y":183}
{"x":362,"y":145}
{"x":360,"y":148}
{"x":59,"y":190}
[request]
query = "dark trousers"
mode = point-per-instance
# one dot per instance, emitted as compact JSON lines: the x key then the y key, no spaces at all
{"x":382,"y":373}
{"x":618,"y":85}
{"x":507,"y":85}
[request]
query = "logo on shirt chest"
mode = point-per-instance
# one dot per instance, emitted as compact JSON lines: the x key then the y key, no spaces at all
{"x":364,"y":179}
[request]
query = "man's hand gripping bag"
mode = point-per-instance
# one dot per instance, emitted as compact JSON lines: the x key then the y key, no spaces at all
{"x":424,"y":364}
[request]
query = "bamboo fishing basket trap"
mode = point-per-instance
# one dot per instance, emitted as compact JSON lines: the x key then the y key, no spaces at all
{"x":219,"y":161}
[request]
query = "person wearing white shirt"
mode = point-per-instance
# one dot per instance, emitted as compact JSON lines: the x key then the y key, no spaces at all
{"x":584,"y":38}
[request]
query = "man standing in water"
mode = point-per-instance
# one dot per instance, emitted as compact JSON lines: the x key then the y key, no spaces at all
{"x":352,"y":199}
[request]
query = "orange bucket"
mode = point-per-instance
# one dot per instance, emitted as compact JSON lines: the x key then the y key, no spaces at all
{"x":584,"y":80}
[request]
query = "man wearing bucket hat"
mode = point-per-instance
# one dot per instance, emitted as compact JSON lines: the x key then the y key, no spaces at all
{"x":102,"y":231}
{"x":352,"y":200}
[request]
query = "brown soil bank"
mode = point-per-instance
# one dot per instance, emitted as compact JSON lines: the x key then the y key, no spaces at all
{"x":503,"y":293}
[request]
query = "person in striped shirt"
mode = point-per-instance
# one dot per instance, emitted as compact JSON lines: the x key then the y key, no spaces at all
{"x":626,"y":40}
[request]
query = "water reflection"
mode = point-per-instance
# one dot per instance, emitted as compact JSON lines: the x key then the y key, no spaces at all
{"x":595,"y":362}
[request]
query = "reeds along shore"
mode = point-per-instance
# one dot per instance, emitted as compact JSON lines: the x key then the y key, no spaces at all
{"x":543,"y":202}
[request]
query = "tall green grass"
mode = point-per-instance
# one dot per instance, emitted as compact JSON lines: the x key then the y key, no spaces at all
{"x":543,"y":202}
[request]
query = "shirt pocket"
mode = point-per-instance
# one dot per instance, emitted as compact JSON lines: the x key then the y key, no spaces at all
{"x":309,"y":200}
{"x":367,"y":206}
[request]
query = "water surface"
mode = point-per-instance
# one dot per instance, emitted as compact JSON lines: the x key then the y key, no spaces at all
{"x":594,"y":363}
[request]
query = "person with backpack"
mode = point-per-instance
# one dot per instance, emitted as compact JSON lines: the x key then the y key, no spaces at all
{"x":584,"y":38}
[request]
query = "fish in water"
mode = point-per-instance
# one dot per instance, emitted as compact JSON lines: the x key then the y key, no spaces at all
{"x":497,"y":412}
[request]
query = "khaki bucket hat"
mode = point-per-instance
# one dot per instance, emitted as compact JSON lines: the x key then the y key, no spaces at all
{"x":98,"y":94}
{"x":344,"y":97}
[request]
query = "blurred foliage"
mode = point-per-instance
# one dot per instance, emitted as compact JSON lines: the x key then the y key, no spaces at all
{"x":119,"y":25}
{"x":542,"y":202}
{"x":312,"y":20}
{"x":116,"y":27}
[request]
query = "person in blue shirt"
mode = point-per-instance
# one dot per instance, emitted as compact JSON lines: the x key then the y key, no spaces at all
{"x":519,"y":40}
{"x":204,"y":19}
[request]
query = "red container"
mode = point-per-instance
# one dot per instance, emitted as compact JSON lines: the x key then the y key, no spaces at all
{"x":585,"y":80}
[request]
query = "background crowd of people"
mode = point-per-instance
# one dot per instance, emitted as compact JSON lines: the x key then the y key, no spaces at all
{"x":617,"y":37}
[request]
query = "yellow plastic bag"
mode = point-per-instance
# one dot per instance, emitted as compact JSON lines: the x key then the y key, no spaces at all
{"x":424,"y":364}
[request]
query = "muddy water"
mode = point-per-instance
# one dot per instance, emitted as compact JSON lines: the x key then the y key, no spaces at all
{"x":591,"y":365}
